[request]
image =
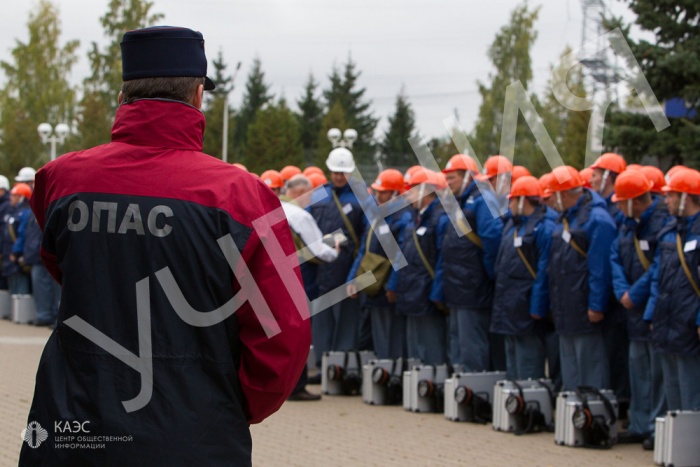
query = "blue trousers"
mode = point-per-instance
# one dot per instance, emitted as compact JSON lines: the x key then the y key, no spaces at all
{"x":647,"y":399}
{"x":388,"y":332}
{"x":19,"y":283}
{"x":681,"y":381}
{"x":426,"y":338}
{"x":583,"y":361}
{"x":469,"y":338}
{"x":47,"y":294}
{"x":525,"y":357}
{"x":336,"y":328}
{"x":617,"y":346}
{"x":551,"y":344}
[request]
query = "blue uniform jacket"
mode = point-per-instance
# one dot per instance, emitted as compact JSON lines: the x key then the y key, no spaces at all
{"x":674,"y":306}
{"x":579,"y":283}
{"x":396,"y":223}
{"x":518,"y":295}
{"x":470,"y":270}
{"x":326,"y":214}
{"x":415,"y":289}
{"x":627,"y":270}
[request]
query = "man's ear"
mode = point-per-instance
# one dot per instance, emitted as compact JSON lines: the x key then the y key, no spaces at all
{"x":120,"y":98}
{"x":198,"y":97}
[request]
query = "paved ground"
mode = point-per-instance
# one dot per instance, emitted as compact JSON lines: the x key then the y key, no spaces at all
{"x":335,"y":431}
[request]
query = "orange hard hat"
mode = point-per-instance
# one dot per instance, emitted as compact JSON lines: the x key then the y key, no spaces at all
{"x":317,"y":179}
{"x":682,"y":181}
{"x":460,"y":162}
{"x":564,"y":178}
{"x":526,"y":185}
{"x":586,"y":176}
{"x":544,"y":184}
{"x":289,"y":171}
{"x":424,"y":176}
{"x":634,"y":166}
{"x":672,"y":171}
{"x":312,"y":169}
{"x":441,"y":180}
{"x":240,"y":166}
{"x":610,"y":161}
{"x":631,"y":184}
{"x":272,"y":179}
{"x":496,"y":165}
{"x":654,"y":175}
{"x":389,"y":180}
{"x":518,"y":172}
{"x":22,"y":189}
{"x":410,"y":171}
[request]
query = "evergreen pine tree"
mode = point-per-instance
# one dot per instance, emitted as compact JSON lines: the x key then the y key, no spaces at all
{"x":343,"y":89}
{"x":310,"y":117}
{"x":396,"y":150}
{"x":257,"y":94}
{"x":273,"y":139}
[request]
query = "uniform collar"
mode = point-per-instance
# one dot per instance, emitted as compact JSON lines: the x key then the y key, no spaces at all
{"x":161,"y":123}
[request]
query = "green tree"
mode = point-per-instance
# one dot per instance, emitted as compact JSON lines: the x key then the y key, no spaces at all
{"x":396,"y":149}
{"x":36,"y":90}
{"x":100,"y":89}
{"x":510,"y":56}
{"x":671,"y":64}
{"x":273,"y":139}
{"x":334,"y":118}
{"x":310,"y":117}
{"x":344,"y":90}
{"x":567,"y":128}
{"x":214,"y":104}
{"x":256,"y":95}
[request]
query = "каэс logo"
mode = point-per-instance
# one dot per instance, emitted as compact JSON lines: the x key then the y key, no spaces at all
{"x":34,"y":435}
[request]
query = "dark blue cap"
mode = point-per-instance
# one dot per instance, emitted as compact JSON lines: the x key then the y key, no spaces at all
{"x":163,"y":51}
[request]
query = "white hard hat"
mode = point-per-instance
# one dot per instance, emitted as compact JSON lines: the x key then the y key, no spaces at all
{"x":4,"y":183}
{"x":340,"y":160}
{"x":25,"y":174}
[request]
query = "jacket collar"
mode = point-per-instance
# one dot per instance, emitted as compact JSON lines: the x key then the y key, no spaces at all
{"x":159,"y":122}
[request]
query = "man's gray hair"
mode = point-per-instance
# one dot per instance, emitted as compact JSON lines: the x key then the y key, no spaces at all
{"x":298,"y":180}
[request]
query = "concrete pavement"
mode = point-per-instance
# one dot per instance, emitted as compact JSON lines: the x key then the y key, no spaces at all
{"x":334,"y":431}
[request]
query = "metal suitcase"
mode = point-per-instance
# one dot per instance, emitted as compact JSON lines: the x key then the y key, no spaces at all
{"x":23,"y":309}
{"x":341,"y":372}
{"x":382,"y":380}
{"x":427,"y":388}
{"x":511,"y":414}
{"x":680,"y":444}
{"x":407,"y":393}
{"x":5,"y":305}
{"x":461,"y":391}
{"x":660,"y":441}
{"x":569,"y":413}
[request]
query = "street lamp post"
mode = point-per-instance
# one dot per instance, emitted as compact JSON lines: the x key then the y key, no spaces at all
{"x":59,"y":135}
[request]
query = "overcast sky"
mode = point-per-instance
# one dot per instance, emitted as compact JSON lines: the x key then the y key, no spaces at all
{"x":436,"y":49}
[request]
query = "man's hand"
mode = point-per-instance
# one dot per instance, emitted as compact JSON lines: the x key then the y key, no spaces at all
{"x":391,"y":296}
{"x":595,"y":316}
{"x":535,"y":317}
{"x":351,"y":289}
{"x":627,"y":301}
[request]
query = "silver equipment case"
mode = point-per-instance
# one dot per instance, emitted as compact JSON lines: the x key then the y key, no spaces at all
{"x":382,"y":380}
{"x":511,"y":413}
{"x":423,"y":388}
{"x":461,"y":391}
{"x":676,"y":442}
{"x":569,"y":405}
{"x":344,"y":366}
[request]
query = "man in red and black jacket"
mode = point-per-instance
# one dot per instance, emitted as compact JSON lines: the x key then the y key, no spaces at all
{"x":177,"y":327}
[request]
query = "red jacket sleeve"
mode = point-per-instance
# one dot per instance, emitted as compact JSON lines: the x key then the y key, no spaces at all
{"x":271,"y":366}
